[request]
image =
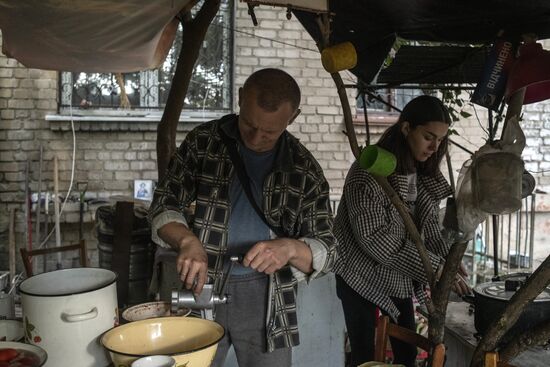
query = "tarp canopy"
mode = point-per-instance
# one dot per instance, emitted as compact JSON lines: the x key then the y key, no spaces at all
{"x":373,"y":26}
{"x":91,"y":36}
{"x":131,"y":35}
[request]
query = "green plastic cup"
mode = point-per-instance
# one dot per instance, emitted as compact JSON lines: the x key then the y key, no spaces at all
{"x":377,"y":161}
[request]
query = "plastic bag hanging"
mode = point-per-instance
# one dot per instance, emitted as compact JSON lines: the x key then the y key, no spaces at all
{"x":497,"y":172}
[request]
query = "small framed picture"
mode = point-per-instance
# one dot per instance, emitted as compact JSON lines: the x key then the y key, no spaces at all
{"x":143,"y":189}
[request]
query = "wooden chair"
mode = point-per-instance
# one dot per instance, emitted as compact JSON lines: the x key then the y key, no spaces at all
{"x":386,"y":329}
{"x":492,"y":360}
{"x":27,"y":255}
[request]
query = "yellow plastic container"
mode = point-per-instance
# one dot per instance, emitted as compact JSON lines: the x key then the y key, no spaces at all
{"x":339,"y":57}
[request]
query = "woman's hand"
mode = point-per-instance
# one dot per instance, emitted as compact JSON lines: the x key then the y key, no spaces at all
{"x":460,"y":285}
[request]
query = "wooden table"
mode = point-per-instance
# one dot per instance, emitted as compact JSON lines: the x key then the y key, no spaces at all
{"x":460,"y":341}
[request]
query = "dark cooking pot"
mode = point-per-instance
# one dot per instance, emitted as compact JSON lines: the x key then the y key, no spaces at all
{"x":491,"y":298}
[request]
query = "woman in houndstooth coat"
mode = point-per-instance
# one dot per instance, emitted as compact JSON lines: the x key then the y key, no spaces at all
{"x":378,"y":264}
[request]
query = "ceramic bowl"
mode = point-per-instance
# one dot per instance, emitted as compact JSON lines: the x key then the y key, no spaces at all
{"x":11,"y":330}
{"x":29,"y":350}
{"x":190,"y":341}
{"x":150,"y":310}
{"x":154,"y":361}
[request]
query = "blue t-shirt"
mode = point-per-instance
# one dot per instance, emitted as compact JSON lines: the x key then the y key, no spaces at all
{"x":245,"y":226}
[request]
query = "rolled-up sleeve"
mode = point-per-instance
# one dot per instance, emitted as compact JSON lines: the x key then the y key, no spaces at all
{"x":169,"y":216}
{"x":175,"y":191}
{"x":316,"y":229}
{"x":319,"y":253}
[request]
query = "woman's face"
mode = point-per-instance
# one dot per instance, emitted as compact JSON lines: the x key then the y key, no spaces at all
{"x":424,"y":139}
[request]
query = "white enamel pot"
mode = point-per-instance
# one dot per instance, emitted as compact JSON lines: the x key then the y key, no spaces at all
{"x":65,"y":311}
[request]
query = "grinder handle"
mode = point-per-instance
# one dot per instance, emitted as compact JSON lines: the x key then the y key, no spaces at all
{"x":233,"y":260}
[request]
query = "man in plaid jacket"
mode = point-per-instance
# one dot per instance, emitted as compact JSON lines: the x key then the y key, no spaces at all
{"x":287,"y":184}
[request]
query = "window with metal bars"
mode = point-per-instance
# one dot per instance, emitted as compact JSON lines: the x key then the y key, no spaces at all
{"x":210,"y":88}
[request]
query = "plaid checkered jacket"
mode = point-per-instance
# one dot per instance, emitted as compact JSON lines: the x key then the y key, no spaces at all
{"x":376,"y":256}
{"x":295,"y":198}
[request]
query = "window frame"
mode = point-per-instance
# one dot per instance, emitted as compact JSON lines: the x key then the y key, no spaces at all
{"x":150,"y":108}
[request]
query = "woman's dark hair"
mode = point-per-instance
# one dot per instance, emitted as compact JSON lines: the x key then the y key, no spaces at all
{"x":419,"y":111}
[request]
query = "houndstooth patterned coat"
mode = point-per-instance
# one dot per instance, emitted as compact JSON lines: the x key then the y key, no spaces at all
{"x":376,"y":256}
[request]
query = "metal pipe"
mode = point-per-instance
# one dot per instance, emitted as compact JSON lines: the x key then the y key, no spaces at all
{"x":451,"y":175}
{"x":495,"y":245}
{"x":509,"y":237}
{"x":56,"y":209}
{"x":532,"y":232}
{"x":518,"y":234}
{"x":501,"y":239}
{"x":528,"y":227}
{"x":39,"y":201}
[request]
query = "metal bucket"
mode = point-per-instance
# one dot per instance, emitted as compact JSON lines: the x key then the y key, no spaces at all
{"x":497,"y":182}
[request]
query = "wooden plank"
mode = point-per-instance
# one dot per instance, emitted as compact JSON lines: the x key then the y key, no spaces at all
{"x":122,"y":241}
{"x":11,"y":244}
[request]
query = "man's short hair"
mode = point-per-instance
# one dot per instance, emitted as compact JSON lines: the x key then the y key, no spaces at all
{"x":273,"y":88}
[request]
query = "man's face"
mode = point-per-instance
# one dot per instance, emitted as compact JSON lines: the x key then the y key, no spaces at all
{"x":260,"y":129}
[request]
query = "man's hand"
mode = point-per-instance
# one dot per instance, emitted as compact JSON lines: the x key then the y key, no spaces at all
{"x":270,"y":256}
{"x":192,"y":264}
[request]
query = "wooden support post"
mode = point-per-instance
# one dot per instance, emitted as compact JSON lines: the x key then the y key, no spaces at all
{"x":11,"y":244}
{"x":123,"y":225}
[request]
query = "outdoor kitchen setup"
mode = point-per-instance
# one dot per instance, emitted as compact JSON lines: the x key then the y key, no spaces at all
{"x":85,"y":280}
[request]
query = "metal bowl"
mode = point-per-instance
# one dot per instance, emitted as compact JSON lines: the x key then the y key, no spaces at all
{"x":29,"y":350}
{"x":150,"y":310}
{"x":190,"y":341}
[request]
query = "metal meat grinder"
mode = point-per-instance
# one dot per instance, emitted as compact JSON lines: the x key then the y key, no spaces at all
{"x":204,"y":302}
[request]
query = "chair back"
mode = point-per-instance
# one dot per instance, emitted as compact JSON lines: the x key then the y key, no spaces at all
{"x":492,"y":360}
{"x":27,"y":255}
{"x":386,"y":329}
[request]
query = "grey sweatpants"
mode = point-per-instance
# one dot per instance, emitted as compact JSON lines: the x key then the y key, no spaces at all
{"x":244,"y":319}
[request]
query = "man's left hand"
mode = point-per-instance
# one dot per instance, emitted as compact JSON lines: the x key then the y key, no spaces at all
{"x":269,"y":256}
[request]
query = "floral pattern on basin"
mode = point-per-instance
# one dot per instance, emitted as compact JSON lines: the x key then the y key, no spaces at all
{"x":30,"y":329}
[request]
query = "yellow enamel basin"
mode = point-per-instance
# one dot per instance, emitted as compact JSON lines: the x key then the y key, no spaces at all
{"x":190,"y":341}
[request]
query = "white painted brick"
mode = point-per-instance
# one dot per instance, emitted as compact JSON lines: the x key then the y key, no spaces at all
{"x":150,"y":175}
{"x":288,"y":53}
{"x":328,"y":110}
{"x":117,"y":185}
{"x":271,"y":24}
{"x":116,"y":166}
{"x":289,"y":35}
{"x":143,"y":165}
{"x":126,"y":175}
{"x":250,"y":61}
{"x":273,"y":62}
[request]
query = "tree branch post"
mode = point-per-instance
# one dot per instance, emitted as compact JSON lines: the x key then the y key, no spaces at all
{"x":193,"y":33}
{"x":536,"y":336}
{"x":536,"y":283}
{"x":441,"y":291}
